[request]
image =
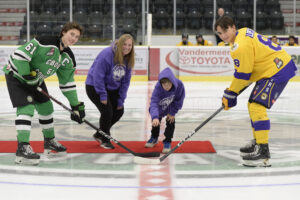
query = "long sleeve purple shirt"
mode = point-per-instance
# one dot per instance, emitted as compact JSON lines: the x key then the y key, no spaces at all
{"x":105,"y":75}
{"x":166,"y":102}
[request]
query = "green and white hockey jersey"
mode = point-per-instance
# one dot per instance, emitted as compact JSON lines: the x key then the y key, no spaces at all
{"x":42,"y":57}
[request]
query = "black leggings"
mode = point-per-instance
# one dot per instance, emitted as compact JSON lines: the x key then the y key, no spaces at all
{"x":109,"y":112}
{"x":169,"y":131}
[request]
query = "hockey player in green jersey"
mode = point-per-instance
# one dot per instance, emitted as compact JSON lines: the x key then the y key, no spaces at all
{"x":26,"y":70}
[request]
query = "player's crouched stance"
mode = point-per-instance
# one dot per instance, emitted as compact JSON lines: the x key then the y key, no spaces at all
{"x":166,"y":100}
{"x":26,"y":70}
{"x":256,"y":59}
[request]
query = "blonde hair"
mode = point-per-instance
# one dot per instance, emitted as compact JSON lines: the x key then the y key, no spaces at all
{"x":119,"y":58}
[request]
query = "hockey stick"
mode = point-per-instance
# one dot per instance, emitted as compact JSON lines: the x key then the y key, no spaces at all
{"x":148,"y":154}
{"x":140,"y":160}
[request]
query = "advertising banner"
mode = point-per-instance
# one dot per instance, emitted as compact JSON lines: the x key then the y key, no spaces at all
{"x":184,"y":61}
{"x":169,"y":58}
{"x":85,"y":56}
{"x":141,"y":61}
{"x":295,"y":53}
{"x":5,"y":52}
{"x":205,"y":61}
{"x":188,"y":62}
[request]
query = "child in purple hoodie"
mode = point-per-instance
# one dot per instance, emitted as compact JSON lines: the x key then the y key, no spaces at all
{"x":107,"y":84}
{"x":167,"y":99}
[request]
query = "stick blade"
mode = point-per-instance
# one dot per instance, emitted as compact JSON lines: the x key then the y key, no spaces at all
{"x":148,"y":154}
{"x":145,"y":161}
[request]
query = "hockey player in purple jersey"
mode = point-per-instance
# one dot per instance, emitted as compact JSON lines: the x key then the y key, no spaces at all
{"x":256,"y":59}
{"x":167,"y":99}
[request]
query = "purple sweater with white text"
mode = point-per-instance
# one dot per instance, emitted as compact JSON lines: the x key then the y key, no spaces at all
{"x":105,"y":75}
{"x":166,"y":102}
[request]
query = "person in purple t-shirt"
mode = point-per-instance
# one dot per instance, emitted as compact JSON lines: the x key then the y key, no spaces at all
{"x":167,"y":99}
{"x":107,"y":83}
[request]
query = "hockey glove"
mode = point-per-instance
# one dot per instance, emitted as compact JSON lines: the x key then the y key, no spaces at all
{"x":79,"y":111}
{"x":229,"y":99}
{"x":31,"y":82}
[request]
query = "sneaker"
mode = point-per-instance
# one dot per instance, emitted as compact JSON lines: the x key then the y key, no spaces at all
{"x":248,"y":148}
{"x":53,"y":147}
{"x":151,"y":142}
{"x":26,"y":155}
{"x":107,"y":145}
{"x":98,"y":137}
{"x":104,"y":142}
{"x":259,"y":157}
{"x":167,"y":147}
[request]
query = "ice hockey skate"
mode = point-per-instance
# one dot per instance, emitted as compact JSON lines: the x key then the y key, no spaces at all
{"x":52,"y":148}
{"x":25,"y":155}
{"x":248,"y":148}
{"x":259,"y":157}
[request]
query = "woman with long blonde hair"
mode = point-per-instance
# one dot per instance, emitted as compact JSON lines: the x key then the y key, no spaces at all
{"x":108,"y":81}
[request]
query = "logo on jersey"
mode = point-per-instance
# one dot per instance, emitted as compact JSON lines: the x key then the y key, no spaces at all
{"x":276,"y":95}
{"x":278,"y":62}
{"x":118,"y":72}
{"x":264,"y":96}
{"x":250,"y":33}
{"x":8,"y":67}
{"x":53,"y":63}
{"x":164,"y":103}
{"x":234,"y":47}
{"x":51,"y":52}
{"x":256,"y":90}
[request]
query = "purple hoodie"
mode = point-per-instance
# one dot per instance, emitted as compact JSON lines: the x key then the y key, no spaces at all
{"x":166,"y":102}
{"x":104,"y":75}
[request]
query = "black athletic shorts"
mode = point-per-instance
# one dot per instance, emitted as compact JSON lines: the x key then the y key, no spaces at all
{"x":22,"y":96}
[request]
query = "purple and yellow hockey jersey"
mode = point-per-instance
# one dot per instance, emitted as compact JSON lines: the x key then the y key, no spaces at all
{"x":255,"y":57}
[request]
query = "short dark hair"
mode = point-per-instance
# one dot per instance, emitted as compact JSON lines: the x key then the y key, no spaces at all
{"x":185,"y":35}
{"x":199,"y":35}
{"x":71,"y":25}
{"x":291,"y":36}
{"x":224,"y":22}
{"x":164,"y":80}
